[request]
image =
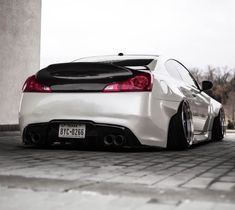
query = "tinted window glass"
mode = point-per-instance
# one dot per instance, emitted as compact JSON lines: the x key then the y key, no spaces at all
{"x":132,"y":62}
{"x":184,"y":73}
{"x":172,"y":70}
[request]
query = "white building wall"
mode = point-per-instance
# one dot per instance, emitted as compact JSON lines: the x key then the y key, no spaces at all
{"x":19,"y":52}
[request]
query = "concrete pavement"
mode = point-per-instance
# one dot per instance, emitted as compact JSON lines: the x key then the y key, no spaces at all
{"x":68,"y":177}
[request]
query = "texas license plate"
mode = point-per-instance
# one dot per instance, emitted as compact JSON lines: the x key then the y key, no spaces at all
{"x":72,"y":131}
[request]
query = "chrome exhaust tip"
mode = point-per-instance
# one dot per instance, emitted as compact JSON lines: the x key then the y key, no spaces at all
{"x":27,"y":139}
{"x":35,"y":138}
{"x":119,"y":140}
{"x":109,"y":139}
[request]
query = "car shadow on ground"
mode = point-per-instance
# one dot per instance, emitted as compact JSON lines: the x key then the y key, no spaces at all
{"x":139,"y":149}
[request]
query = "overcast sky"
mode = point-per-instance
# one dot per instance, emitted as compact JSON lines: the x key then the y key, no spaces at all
{"x":196,"y":32}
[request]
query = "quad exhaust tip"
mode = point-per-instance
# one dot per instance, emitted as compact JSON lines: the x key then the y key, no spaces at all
{"x":117,"y":140}
{"x":34,"y":137}
{"x":109,"y":139}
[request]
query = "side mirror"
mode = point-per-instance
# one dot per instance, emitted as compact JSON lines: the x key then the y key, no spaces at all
{"x":206,"y":85}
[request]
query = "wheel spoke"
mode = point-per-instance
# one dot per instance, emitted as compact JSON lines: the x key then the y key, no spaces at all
{"x":187,"y":123}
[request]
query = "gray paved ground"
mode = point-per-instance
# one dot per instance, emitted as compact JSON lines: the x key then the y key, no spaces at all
{"x":72,"y":178}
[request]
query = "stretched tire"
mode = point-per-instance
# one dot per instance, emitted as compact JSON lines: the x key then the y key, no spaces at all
{"x":218,"y":128}
{"x":181,"y":130}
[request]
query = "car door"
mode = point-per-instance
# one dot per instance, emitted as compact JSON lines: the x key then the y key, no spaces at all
{"x":199,"y":101}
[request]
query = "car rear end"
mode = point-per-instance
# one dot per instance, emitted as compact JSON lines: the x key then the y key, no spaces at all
{"x":87,"y":102}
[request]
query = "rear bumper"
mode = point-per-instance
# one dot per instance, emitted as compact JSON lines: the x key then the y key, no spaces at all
{"x":145,"y":116}
{"x":47,"y":133}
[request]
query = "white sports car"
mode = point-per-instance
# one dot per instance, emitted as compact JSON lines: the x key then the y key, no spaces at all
{"x":124,"y":100}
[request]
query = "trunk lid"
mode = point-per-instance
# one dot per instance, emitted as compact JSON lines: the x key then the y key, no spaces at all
{"x":82,"y":76}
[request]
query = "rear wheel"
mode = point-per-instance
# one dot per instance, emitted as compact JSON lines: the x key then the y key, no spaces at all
{"x":218,"y":129}
{"x":181,"y":130}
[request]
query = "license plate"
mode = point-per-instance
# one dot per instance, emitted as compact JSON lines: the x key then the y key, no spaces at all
{"x":72,"y":131}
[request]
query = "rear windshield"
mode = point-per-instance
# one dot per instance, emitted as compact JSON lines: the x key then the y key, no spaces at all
{"x":131,"y":63}
{"x":136,"y":64}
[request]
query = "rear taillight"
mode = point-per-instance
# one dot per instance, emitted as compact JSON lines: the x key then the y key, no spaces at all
{"x":140,"y":82}
{"x":32,"y":85}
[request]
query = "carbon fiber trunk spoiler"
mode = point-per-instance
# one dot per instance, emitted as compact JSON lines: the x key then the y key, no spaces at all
{"x":82,"y":76}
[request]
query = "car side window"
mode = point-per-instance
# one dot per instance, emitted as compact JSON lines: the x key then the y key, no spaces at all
{"x":172,"y":70}
{"x":185,"y":75}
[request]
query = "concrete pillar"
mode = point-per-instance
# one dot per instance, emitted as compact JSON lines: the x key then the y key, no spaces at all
{"x":19,"y":52}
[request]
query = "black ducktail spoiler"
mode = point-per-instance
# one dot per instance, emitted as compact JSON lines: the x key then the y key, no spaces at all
{"x":82,"y":76}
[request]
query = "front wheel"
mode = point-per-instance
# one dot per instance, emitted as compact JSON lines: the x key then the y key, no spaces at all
{"x":181,"y":130}
{"x":218,"y":129}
